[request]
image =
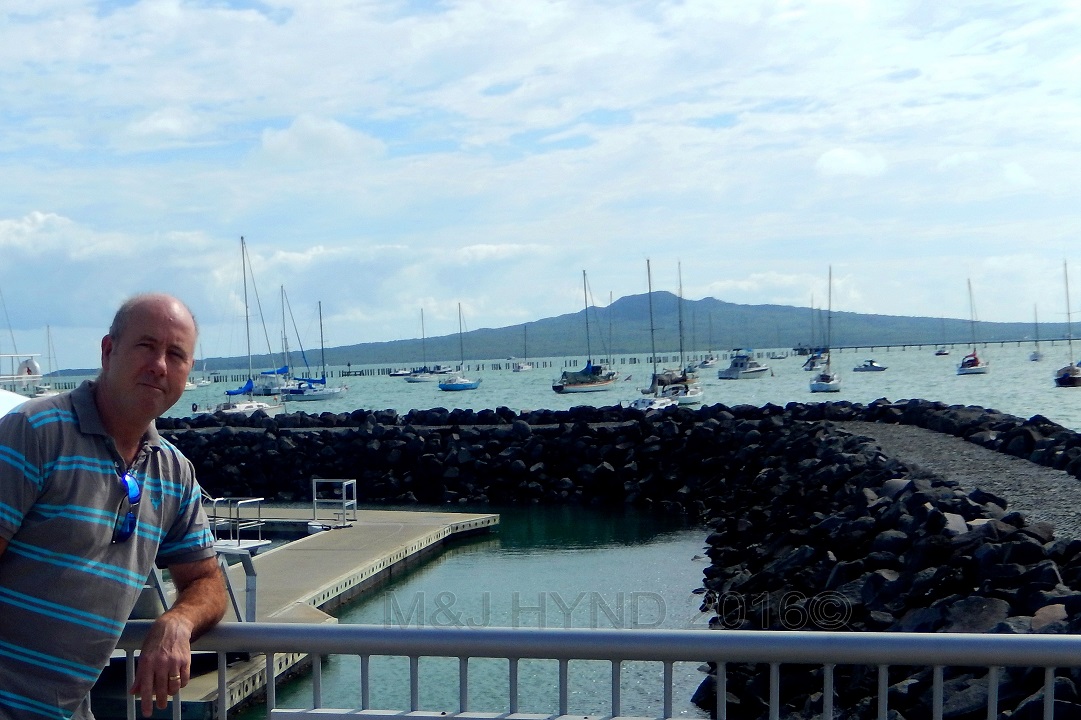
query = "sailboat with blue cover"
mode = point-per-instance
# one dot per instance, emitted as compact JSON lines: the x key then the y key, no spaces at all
{"x":249,"y":406}
{"x":458,"y":380}
{"x":593,"y":377}
{"x":309,"y":389}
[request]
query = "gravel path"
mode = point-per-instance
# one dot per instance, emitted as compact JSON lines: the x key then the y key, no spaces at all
{"x":1040,"y":493}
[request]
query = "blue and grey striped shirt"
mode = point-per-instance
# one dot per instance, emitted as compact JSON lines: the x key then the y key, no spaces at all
{"x":66,"y":589}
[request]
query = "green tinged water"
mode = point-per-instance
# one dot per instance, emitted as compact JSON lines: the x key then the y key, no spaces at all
{"x":544,"y":567}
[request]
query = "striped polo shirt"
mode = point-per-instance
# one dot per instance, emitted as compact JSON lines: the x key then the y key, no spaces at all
{"x":66,"y":589}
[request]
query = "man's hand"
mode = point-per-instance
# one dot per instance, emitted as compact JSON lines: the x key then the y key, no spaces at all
{"x":164,"y":662}
{"x":164,"y":665}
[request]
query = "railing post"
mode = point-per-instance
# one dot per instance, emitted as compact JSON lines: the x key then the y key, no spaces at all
{"x":617,"y":671}
{"x":936,"y":693}
{"x":883,"y":691}
{"x":827,"y":692}
{"x":414,"y":683}
{"x":463,"y":684}
{"x":271,"y":683}
{"x":129,"y":675}
{"x":563,"y":682}
{"x":512,"y":684}
{"x":223,"y":688}
{"x":992,"y":692}
{"x":774,"y":691}
{"x":1049,"y":693}
{"x":668,"y":689}
{"x":721,"y":683}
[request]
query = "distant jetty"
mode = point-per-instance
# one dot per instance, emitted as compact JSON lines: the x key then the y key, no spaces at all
{"x":810,"y":527}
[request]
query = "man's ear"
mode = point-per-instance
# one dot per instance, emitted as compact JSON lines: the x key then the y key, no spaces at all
{"x":106,"y":350}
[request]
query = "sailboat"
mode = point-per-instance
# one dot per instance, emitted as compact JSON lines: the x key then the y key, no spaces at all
{"x":18,"y":379}
{"x":942,"y":350}
{"x":424,"y":373}
{"x":45,"y":389}
{"x":251,"y":405}
{"x":1070,"y":375}
{"x":524,"y":365}
{"x":710,"y":360}
{"x":683,"y":384}
{"x":653,"y":400}
{"x":1035,"y":355}
{"x":971,"y":364}
{"x":306,"y":389}
{"x":825,"y":380}
{"x":592,"y":377}
{"x":458,"y":381}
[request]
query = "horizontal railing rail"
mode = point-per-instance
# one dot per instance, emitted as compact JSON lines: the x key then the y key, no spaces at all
{"x":775,"y":648}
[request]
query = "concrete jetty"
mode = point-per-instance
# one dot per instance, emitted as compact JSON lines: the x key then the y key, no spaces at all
{"x":301,"y":582}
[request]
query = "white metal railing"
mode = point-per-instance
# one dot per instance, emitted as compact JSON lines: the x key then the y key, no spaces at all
{"x":345,"y":502}
{"x":775,"y":648}
{"x":233,"y":520}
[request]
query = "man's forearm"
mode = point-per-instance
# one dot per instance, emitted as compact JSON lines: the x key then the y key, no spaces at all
{"x":201,"y":603}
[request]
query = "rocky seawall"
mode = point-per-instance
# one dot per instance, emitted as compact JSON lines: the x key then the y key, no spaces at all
{"x":811,"y":527}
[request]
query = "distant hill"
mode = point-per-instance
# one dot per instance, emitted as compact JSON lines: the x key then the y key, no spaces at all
{"x":623,"y":329}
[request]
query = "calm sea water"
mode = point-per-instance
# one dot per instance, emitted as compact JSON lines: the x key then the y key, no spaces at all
{"x":1015,"y":384}
{"x":546,"y":567}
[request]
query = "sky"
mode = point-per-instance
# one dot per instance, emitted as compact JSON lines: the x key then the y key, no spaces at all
{"x":387,"y":157}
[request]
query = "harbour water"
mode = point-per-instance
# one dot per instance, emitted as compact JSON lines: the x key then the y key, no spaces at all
{"x":546,"y":567}
{"x":1015,"y":384}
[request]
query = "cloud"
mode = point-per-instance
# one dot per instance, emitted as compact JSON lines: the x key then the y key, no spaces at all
{"x":844,"y":161}
{"x":472,"y":254}
{"x":312,"y":140}
{"x":1014,"y":174}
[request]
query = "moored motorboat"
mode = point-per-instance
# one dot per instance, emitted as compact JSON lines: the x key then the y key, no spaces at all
{"x":458,"y":382}
{"x":743,"y":366}
{"x":869,"y":366}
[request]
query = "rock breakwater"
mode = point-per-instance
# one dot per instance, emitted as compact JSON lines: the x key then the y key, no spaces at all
{"x":812,"y":528}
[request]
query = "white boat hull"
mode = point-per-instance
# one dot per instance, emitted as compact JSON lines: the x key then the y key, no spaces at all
{"x":683,"y":395}
{"x":583,"y":387}
{"x":981,"y":369}
{"x":313,"y":395}
{"x":249,"y":408}
{"x":458,"y":383}
{"x":652,"y":403}
{"x":826,"y":382}
{"x":749,"y":374}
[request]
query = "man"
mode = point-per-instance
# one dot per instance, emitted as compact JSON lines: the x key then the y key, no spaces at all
{"x":90,"y":497}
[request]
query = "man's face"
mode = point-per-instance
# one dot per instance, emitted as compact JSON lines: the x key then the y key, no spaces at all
{"x":145,"y":369}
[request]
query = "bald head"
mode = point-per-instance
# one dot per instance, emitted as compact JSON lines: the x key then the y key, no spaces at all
{"x":124,"y":314}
